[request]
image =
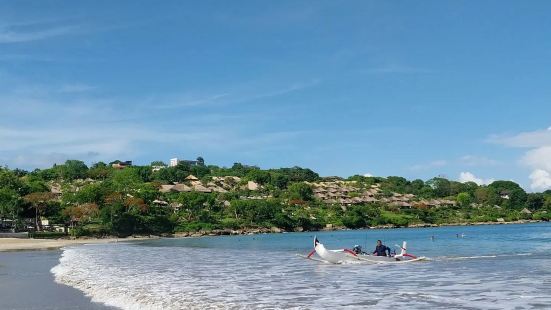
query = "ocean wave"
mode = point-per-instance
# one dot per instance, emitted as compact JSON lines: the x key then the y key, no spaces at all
{"x":122,"y":285}
{"x":131,"y":276}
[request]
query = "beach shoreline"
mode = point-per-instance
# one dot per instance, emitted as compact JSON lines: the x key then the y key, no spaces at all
{"x":18,"y":244}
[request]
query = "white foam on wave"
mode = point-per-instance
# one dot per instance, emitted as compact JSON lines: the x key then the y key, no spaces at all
{"x":119,"y":285}
{"x":140,"y":277}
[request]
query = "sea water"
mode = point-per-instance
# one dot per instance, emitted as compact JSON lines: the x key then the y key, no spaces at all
{"x":472,"y":267}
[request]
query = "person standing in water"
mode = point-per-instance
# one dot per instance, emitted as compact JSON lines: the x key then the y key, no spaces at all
{"x":381,"y":249}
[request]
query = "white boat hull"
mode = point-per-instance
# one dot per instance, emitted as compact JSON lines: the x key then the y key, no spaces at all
{"x":345,"y":255}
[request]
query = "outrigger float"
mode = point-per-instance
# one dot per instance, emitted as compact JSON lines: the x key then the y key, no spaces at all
{"x":346,"y":255}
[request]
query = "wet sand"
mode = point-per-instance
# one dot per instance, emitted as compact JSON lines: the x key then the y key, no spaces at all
{"x":15,"y":244}
{"x":26,"y":283}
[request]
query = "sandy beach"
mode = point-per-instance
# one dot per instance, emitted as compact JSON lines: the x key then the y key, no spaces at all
{"x":26,"y":283}
{"x":16,"y":244}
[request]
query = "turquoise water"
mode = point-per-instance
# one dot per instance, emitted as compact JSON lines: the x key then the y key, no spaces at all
{"x":486,"y":267}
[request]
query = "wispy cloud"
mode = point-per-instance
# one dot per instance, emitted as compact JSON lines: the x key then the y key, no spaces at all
{"x":40,"y":147}
{"x":228,"y":97}
{"x":33,"y":31}
{"x":278,"y":92}
{"x":474,"y":160}
{"x":527,"y":139}
{"x":74,"y":120}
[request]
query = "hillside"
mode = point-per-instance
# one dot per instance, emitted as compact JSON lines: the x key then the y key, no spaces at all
{"x":189,"y":197}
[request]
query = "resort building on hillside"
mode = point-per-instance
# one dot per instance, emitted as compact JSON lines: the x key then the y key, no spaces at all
{"x":157,"y":168}
{"x":121,"y":164}
{"x":210,"y":185}
{"x":198,"y":162}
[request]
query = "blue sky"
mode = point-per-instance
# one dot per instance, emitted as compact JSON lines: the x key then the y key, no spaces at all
{"x":416,"y":89}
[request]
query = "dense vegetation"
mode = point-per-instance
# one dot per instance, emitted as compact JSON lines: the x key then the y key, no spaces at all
{"x":102,"y":200}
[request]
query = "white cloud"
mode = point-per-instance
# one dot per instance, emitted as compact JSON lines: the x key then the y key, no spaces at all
{"x":465,"y":177}
{"x":538,"y":157}
{"x":541,"y":180}
{"x":367,"y":175}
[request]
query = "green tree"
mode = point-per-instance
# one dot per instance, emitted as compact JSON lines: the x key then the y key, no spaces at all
{"x":9,"y":206}
{"x":125,"y":180}
{"x":535,"y":201}
{"x":89,"y":193}
{"x":9,"y":180}
{"x":259,"y":176}
{"x":298,"y":174}
{"x":255,"y":212}
{"x":279,"y":180}
{"x":440,"y":186}
{"x":517,"y":195}
{"x":144,"y":172}
{"x":100,"y":171}
{"x":470,"y":187}
{"x":395,"y":184}
{"x":46,"y":174}
{"x":73,"y":169}
{"x":464,"y":199}
{"x":416,"y":186}
{"x":300,"y":191}
{"x":193,"y":203}
{"x":39,"y":202}
{"x":199,"y":171}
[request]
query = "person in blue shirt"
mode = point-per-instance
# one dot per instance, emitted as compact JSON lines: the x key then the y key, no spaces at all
{"x":381,"y":249}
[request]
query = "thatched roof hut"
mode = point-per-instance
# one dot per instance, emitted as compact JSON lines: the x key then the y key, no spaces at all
{"x":166,"y":188}
{"x":201,"y":188}
{"x":191,"y":177}
{"x":181,"y":188}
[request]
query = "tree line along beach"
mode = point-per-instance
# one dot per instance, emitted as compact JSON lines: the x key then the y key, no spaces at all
{"x":190,"y":198}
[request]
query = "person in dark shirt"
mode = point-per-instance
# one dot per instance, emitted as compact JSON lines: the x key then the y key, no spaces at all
{"x":381,"y":249}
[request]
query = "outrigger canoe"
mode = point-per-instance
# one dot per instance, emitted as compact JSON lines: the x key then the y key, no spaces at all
{"x":346,"y":255}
